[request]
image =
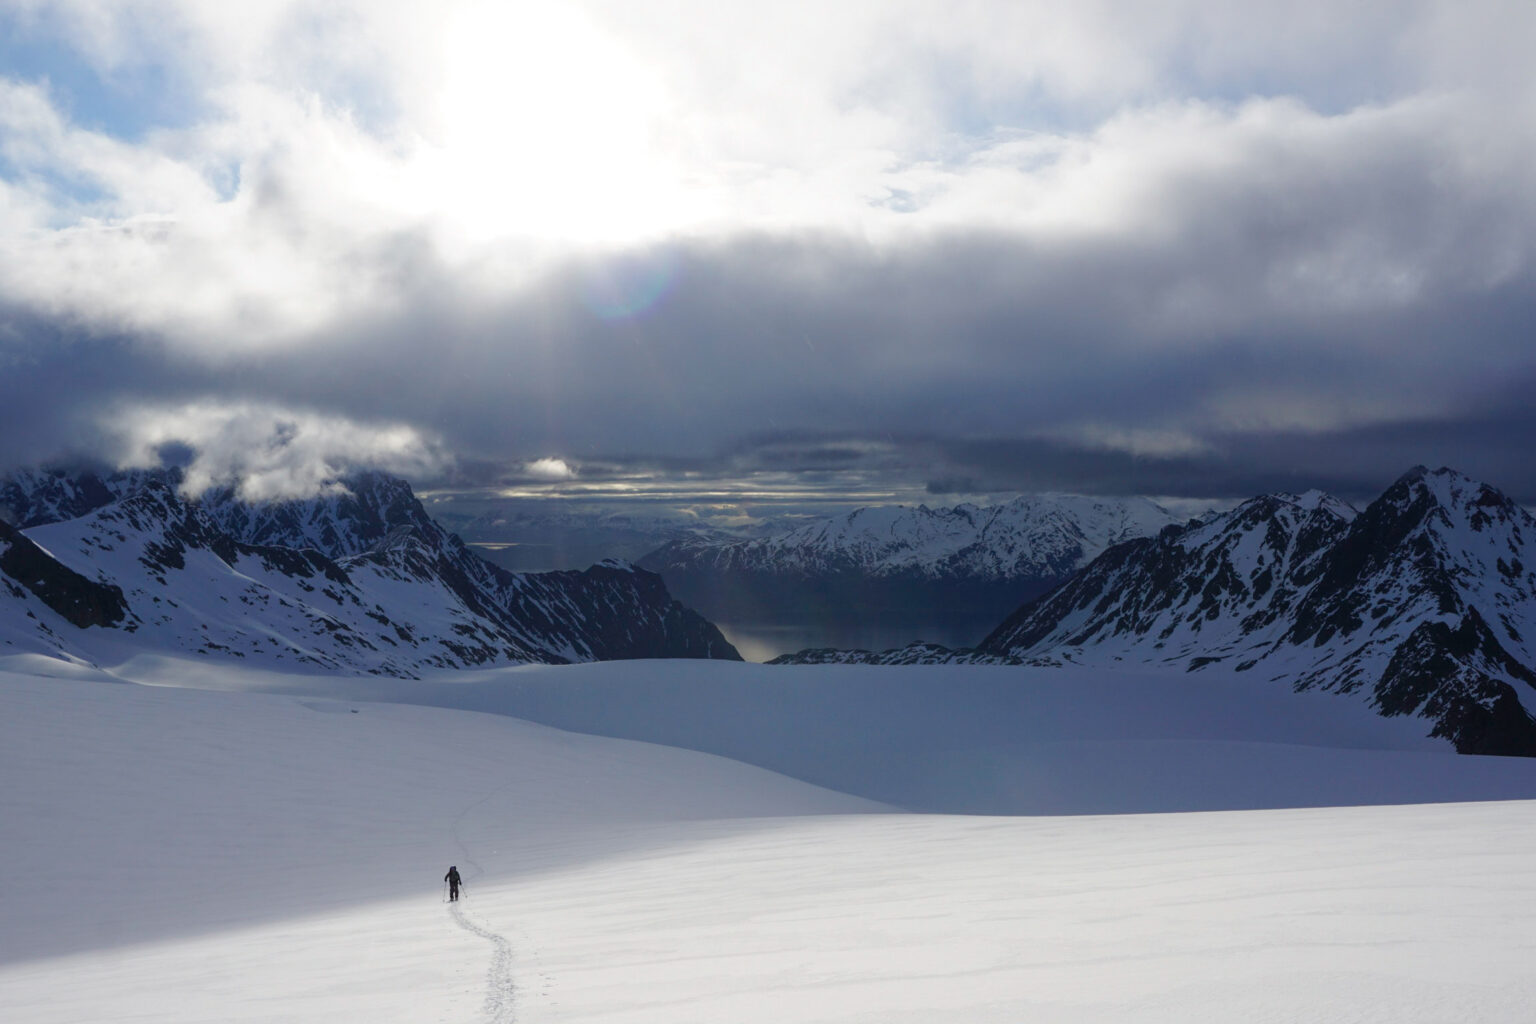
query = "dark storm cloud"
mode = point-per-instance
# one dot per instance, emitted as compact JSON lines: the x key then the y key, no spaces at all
{"x":1186,"y":297}
{"x":972,"y":337}
{"x":976,"y":357}
{"x":55,"y":381}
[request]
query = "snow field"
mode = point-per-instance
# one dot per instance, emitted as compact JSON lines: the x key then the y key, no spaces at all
{"x":1398,"y":914}
{"x":176,"y":854}
{"x":979,"y":739}
{"x":1403,"y":914}
{"x":183,"y":850}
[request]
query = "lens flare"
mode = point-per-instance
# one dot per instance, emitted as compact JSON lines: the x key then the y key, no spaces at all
{"x":627,"y":286}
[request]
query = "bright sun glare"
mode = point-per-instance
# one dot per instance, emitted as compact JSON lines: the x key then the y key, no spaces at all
{"x":551,"y":131}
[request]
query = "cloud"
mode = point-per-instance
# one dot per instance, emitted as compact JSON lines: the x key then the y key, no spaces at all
{"x":269,"y":453}
{"x":550,"y":469}
{"x":322,"y":141}
{"x":1123,"y":245}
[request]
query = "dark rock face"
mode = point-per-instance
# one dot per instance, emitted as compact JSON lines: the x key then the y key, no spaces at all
{"x":82,"y":602}
{"x":630,"y":612}
{"x":1459,"y":678}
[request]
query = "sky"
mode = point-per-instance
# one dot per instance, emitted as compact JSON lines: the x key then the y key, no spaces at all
{"x":717,"y":252}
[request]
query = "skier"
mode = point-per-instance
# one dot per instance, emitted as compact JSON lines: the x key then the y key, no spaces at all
{"x":454,"y":881}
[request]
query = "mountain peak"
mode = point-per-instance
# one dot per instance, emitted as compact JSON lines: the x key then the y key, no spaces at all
{"x":616,"y":565}
{"x":1445,"y":484}
{"x":1443,"y":500}
{"x":1321,"y":501}
{"x":1425,"y":602}
{"x":1032,"y":537}
{"x":366,"y":510}
{"x":52,"y":494}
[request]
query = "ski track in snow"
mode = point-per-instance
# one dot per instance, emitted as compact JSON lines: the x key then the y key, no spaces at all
{"x":500,"y":989}
{"x":500,"y":992}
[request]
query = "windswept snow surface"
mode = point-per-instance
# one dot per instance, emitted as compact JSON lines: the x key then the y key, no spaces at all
{"x":179,"y":854}
{"x":970,"y":739}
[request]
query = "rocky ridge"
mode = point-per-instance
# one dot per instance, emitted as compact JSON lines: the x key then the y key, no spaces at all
{"x":1422,"y":604}
{"x":361,"y":581}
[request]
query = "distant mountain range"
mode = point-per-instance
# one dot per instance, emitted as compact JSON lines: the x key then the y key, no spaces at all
{"x":359,"y":580}
{"x":903,"y":565}
{"x":1424,"y":603}
{"x":530,"y":534}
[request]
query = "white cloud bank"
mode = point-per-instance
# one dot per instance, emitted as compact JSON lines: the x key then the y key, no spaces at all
{"x":332,"y":150}
{"x":548,"y":469}
{"x":268,"y":453}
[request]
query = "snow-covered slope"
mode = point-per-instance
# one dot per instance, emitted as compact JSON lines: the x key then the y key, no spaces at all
{"x":1423,"y":604}
{"x":1434,"y":590}
{"x":183,"y":856}
{"x":43,"y":603}
{"x":1218,"y":590}
{"x":1032,"y":537}
{"x":354,"y":515}
{"x":983,"y":739}
{"x":34,"y":496}
{"x":136,"y":813}
{"x":414,"y":598}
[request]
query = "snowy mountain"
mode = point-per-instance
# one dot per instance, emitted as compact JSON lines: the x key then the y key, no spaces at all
{"x":1205,"y":592}
{"x":1423,"y":604}
{"x":538,"y":534}
{"x":33,"y":496}
{"x":349,"y":519}
{"x":515,"y":521}
{"x":526,"y":535}
{"x":43,"y":601}
{"x":362,"y":582}
{"x":1031,"y":537}
{"x":352,"y":516}
{"x":904,"y":564}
